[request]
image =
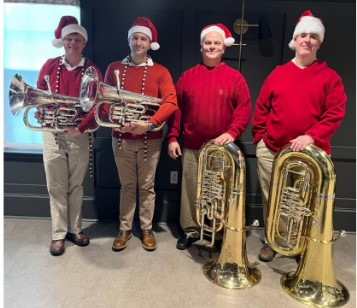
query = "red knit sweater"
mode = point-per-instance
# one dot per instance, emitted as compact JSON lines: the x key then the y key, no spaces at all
{"x":295,"y":101}
{"x":69,"y":82}
{"x":211,"y":102}
{"x":158,"y":83}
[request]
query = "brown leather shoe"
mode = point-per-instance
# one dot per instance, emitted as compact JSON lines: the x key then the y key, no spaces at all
{"x":57,"y":247}
{"x":121,"y":241}
{"x":149,"y":242}
{"x":79,"y":239}
{"x":266,"y":254}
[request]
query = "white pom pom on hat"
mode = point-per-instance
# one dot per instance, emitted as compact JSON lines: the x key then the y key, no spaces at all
{"x":307,"y":23}
{"x":221,"y":29}
{"x":144,"y":25}
{"x":68,"y":25}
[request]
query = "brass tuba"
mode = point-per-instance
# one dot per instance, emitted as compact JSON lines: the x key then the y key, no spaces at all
{"x":300,"y":222}
{"x":56,"y":112}
{"x":125,"y":106}
{"x":220,"y":204}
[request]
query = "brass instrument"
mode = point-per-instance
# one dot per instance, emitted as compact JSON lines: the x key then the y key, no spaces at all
{"x":56,"y":112}
{"x":125,"y":106}
{"x":300,"y":222}
{"x":220,"y":204}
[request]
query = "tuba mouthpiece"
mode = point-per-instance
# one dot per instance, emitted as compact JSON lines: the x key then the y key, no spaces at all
{"x":47,"y":79}
{"x":116,"y":73}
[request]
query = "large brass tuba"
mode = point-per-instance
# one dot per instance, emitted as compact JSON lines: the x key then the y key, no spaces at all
{"x":55,"y":112}
{"x":221,"y":204}
{"x":300,"y":222}
{"x":124,"y":106}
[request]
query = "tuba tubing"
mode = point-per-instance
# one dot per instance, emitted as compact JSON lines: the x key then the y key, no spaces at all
{"x":24,"y":97}
{"x":222,"y":169}
{"x":21,"y":96}
{"x":125,"y":106}
{"x":300,"y":222}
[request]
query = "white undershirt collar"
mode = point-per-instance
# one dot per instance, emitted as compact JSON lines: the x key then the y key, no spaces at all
{"x":150,"y":62}
{"x":69,"y":67}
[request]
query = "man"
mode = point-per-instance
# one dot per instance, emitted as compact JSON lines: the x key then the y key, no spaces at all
{"x":301,"y":102}
{"x":137,"y":145}
{"x":214,"y":103}
{"x":66,"y":158}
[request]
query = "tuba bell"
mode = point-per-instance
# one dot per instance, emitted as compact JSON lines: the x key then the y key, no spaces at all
{"x":300,"y":222}
{"x":220,"y":204}
{"x":124,"y":106}
{"x":55,"y":111}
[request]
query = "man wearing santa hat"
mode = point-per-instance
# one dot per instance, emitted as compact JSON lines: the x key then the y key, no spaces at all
{"x":301,"y":102}
{"x":214,"y":103}
{"x":137,"y":145}
{"x":65,"y":158}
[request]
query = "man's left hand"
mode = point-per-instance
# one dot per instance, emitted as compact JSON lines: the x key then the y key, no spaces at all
{"x":135,"y":128}
{"x":223,"y":139}
{"x":301,"y":142}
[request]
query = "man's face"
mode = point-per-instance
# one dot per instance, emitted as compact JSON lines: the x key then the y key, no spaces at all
{"x":74,"y":44}
{"x":212,"y":46}
{"x":139,"y":43}
{"x":307,"y":44}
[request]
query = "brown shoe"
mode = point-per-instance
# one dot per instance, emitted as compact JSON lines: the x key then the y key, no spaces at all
{"x":149,"y":242}
{"x":79,"y":239}
{"x":266,"y":254}
{"x":121,"y":241}
{"x":57,"y":247}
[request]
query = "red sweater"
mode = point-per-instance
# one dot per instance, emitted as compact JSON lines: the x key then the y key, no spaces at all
{"x":69,"y":82}
{"x":295,"y":101}
{"x":211,"y":102}
{"x":158,"y":84}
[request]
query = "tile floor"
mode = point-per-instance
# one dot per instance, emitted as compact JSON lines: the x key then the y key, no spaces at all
{"x":95,"y":276}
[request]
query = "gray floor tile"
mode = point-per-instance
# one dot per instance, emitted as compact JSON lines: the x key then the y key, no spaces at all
{"x":95,"y":276}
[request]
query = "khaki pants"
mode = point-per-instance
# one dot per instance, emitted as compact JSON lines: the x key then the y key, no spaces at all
{"x":265,"y":165}
{"x":188,"y":220}
{"x":136,"y":174}
{"x":66,"y":165}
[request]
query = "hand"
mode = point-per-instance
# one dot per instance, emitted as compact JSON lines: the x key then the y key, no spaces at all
{"x":301,"y":142}
{"x":124,"y":129}
{"x":139,"y":128}
{"x":72,"y":132}
{"x":174,"y":150}
{"x":135,"y":128}
{"x":223,"y":139}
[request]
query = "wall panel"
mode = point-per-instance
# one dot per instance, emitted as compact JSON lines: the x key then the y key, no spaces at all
{"x":179,"y":24}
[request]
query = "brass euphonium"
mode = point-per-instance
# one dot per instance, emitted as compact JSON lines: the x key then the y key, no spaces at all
{"x":124,"y":106}
{"x":56,"y":112}
{"x":221,"y":204}
{"x":300,"y":222}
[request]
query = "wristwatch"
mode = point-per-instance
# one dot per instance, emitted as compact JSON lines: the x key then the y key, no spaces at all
{"x":151,"y":126}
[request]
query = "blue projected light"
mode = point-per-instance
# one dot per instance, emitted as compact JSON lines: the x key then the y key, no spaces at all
{"x":28,"y":33}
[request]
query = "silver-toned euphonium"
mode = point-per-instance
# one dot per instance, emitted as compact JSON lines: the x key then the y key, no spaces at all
{"x":300,"y":222}
{"x":221,"y":204}
{"x":124,"y":106}
{"x":56,"y":112}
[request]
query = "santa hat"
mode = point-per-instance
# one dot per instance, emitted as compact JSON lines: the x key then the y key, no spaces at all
{"x":67,"y":25}
{"x":144,"y":25}
{"x":307,"y":23}
{"x":221,"y":29}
